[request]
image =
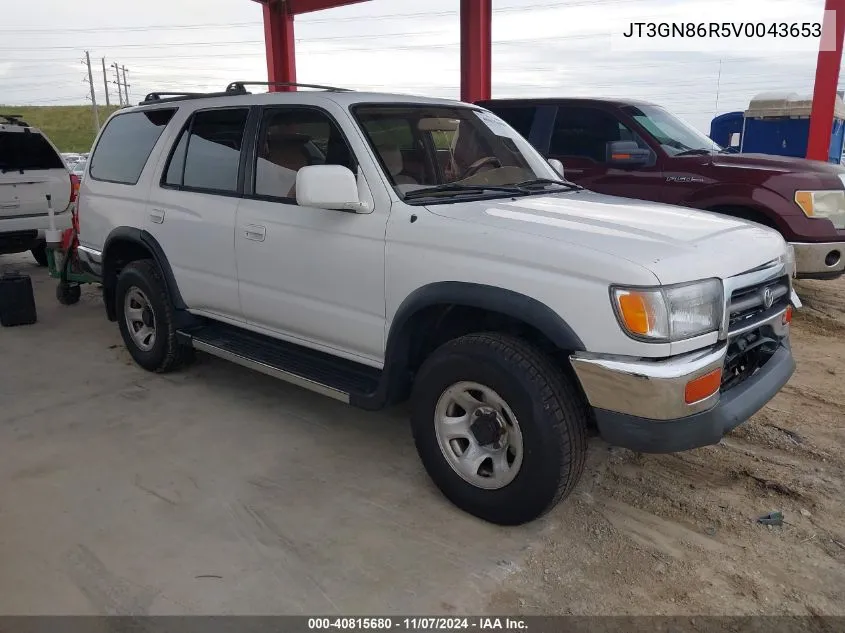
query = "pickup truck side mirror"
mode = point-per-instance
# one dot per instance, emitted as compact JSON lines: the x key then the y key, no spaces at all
{"x":329,"y":187}
{"x":627,"y":153}
{"x":557,"y":166}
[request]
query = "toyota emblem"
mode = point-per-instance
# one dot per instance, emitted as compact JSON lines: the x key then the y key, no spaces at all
{"x":768,"y":298}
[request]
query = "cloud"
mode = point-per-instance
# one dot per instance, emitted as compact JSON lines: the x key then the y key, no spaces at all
{"x":543,"y":48}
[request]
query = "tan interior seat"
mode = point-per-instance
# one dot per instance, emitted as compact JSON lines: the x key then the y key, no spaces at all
{"x":392,"y":157}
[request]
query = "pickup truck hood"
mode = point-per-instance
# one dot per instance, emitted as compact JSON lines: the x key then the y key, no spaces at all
{"x":783,"y":164}
{"x":675,"y":243}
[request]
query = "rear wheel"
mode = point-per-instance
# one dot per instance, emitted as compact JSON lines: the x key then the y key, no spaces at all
{"x":145,"y":315}
{"x":40,"y":254}
{"x":500,"y":430}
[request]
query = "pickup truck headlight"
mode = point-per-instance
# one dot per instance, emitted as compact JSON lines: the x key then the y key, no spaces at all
{"x":669,"y":313}
{"x":823,"y":204}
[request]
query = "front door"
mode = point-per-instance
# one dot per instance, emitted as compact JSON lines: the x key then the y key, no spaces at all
{"x":580,"y":140}
{"x":312,"y":276}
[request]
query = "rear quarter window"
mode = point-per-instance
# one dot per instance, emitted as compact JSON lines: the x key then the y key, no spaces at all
{"x":27,"y":151}
{"x":126,"y":143}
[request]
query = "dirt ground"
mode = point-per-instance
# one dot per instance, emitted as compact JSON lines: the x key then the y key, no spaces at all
{"x":218,"y":490}
{"x":676,"y":534}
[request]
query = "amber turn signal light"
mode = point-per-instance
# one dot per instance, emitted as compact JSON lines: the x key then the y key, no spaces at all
{"x":703,"y":386}
{"x":787,"y":316}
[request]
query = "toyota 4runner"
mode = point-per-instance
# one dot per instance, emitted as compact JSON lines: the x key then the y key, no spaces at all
{"x":376,"y":247}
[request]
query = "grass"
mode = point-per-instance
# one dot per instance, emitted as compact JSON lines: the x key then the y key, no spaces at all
{"x":71,"y":128}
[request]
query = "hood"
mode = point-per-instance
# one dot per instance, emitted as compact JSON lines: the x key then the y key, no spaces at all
{"x":675,"y":243}
{"x":782,"y":164}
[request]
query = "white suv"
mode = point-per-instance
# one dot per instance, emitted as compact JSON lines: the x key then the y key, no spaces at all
{"x":372,"y":247}
{"x":31,"y":168}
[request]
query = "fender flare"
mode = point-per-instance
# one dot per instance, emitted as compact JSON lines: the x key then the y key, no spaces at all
{"x":396,"y":374}
{"x":147,"y":241}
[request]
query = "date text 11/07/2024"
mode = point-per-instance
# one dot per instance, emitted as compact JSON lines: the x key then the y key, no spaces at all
{"x":417,"y":624}
{"x":723,"y":29}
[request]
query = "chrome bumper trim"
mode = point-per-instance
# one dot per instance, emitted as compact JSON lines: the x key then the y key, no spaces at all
{"x":810,"y":258}
{"x":655,"y":389}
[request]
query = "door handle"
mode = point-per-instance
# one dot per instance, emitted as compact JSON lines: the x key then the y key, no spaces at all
{"x":157,"y":216}
{"x":255,"y":232}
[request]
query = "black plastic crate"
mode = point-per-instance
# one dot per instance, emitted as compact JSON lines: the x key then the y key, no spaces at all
{"x":17,"y":300}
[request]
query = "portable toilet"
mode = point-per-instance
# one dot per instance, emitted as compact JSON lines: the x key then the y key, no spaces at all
{"x":726,"y":129}
{"x":779,"y":123}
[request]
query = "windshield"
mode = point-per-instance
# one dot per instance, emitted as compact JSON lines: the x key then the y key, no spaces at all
{"x":455,"y":149}
{"x":673,"y":134}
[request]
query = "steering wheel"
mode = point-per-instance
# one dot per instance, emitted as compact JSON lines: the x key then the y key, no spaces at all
{"x":481,"y":162}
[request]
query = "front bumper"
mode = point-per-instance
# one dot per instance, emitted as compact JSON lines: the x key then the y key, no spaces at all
{"x":823,"y":260}
{"x":640,"y":404}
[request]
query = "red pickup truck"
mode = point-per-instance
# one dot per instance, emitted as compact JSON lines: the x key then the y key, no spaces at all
{"x":640,"y":150}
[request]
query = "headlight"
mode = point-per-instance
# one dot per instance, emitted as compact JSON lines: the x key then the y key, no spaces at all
{"x":823,"y":204}
{"x":669,"y":313}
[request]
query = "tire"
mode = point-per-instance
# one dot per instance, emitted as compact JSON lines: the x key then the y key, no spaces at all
{"x":550,"y":411}
{"x":39,"y":253}
{"x":68,"y":294}
{"x":160,"y":353}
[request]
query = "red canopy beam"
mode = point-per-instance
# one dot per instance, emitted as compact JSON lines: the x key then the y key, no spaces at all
{"x":476,"y":49}
{"x":827,"y":79}
{"x":279,"y":44}
{"x":476,"y":42}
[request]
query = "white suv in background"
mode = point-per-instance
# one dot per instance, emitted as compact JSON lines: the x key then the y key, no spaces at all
{"x":370,"y":247}
{"x":30,"y":169}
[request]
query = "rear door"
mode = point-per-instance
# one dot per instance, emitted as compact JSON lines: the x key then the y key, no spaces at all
{"x":30,"y":168}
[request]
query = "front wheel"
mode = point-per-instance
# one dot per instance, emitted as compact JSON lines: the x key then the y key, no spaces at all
{"x":145,"y":315}
{"x":499,"y":428}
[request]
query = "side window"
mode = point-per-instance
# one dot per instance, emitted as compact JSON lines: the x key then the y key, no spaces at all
{"x":584,"y":132}
{"x":292,"y":138}
{"x":520,"y":118}
{"x":126,"y":143}
{"x":208,"y":153}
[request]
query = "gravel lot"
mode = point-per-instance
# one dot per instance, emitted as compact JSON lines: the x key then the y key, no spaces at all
{"x":217,"y":490}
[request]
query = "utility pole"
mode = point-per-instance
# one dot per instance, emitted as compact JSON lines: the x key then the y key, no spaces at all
{"x":125,"y":86}
{"x":93,"y":96}
{"x":117,"y":76}
{"x":105,"y":82}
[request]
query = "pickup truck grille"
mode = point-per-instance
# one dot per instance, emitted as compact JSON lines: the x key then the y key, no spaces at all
{"x":747,"y":305}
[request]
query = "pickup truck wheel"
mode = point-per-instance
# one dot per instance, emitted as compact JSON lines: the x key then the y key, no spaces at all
{"x":500,"y":430}
{"x":145,"y":316}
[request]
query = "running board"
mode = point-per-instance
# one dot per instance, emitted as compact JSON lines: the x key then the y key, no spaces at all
{"x":323,"y":373}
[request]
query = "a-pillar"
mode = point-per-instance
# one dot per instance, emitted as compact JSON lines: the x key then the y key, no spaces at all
{"x":827,"y":79}
{"x":476,"y":49}
{"x":280,"y":44}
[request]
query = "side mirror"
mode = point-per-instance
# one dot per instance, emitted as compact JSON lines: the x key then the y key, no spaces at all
{"x":627,"y":153}
{"x":557,"y":166}
{"x":329,"y":187}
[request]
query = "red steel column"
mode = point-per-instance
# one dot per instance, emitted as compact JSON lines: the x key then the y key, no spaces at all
{"x":280,"y":45}
{"x":476,"y":48}
{"x":827,"y":78}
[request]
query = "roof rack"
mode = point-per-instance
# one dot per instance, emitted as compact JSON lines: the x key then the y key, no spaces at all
{"x":165,"y":97}
{"x":239,"y":85}
{"x":14,"y":119}
{"x":234,"y":88}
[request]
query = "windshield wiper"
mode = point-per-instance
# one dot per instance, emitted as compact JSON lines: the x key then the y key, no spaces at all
{"x":450,"y":187}
{"x":695,"y":152}
{"x":546,"y":181}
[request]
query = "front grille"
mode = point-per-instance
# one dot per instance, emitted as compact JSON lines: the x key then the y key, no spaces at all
{"x":748,"y":304}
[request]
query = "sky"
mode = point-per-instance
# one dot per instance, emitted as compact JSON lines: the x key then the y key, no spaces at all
{"x":541,"y":48}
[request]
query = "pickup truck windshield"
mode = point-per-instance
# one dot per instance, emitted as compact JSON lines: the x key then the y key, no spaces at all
{"x":674,"y":135}
{"x":445,"y":152}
